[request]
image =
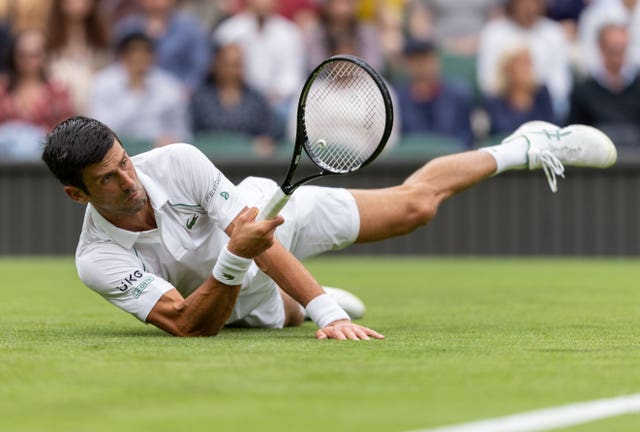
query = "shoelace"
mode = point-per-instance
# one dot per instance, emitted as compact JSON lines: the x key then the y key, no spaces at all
{"x":552,"y":167}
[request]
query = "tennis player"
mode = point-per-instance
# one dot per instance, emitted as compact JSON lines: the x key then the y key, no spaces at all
{"x":167,"y":238}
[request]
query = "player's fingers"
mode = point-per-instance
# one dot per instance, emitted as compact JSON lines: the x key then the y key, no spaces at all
{"x":246,"y":215}
{"x":320,"y":334}
{"x":269,"y":225}
{"x":372,"y":333}
{"x":350,"y":334}
{"x":334,"y":333}
{"x":251,"y":214}
{"x":277,"y":221}
{"x":362,"y":335}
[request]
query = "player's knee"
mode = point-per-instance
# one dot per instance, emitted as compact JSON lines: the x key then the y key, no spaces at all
{"x":421,"y":206}
{"x":420,"y":213}
{"x":294,"y":318}
{"x":293,"y":313}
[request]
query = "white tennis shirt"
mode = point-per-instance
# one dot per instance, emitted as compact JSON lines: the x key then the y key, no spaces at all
{"x":193,"y":203}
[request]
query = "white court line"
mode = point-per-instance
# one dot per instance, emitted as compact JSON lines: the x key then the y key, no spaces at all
{"x":551,"y":418}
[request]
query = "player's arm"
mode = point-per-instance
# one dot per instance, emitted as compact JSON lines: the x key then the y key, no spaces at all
{"x":206,"y":310}
{"x":290,"y":275}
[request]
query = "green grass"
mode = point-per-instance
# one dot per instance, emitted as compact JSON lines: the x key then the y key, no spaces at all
{"x":467,"y":339}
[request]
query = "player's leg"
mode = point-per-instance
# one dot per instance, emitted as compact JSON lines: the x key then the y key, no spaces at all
{"x":398,"y":210}
{"x":294,"y":313}
{"x":390,"y":212}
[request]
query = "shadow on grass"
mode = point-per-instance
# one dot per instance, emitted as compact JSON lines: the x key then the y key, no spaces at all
{"x":227,"y":332}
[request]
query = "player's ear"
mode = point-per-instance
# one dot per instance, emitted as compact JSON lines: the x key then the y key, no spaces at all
{"x":76,"y":194}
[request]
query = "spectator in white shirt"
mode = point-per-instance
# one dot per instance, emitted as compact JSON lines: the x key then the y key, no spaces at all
{"x":274,"y":57}
{"x":137,"y":99}
{"x":599,"y":14}
{"x":524,"y":22}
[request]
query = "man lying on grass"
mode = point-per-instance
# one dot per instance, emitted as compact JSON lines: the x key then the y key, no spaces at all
{"x":167,"y":238}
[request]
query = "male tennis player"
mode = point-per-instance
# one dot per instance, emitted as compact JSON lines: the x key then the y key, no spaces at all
{"x":167,"y":238}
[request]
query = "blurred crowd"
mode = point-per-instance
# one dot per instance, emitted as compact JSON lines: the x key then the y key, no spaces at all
{"x":461,"y":72}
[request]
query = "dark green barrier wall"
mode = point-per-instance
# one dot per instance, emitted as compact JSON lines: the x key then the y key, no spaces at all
{"x":594,"y":212}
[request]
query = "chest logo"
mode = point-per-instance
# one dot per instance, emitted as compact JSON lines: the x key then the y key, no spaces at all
{"x":191,"y":222}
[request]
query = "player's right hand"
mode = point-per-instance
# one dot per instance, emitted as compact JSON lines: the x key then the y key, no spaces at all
{"x":250,"y":238}
{"x":346,"y":330}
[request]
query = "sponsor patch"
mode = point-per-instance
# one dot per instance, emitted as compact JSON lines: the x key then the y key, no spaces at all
{"x":214,"y":188}
{"x":143,"y":285}
{"x":129,"y":280}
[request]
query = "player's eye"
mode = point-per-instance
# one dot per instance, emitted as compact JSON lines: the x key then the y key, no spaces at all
{"x":105,"y":179}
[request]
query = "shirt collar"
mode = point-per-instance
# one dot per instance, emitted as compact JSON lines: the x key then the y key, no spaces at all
{"x":157,"y":196}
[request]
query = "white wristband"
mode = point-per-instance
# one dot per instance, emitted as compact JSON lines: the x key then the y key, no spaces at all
{"x":323,"y":310}
{"x":230,"y":268}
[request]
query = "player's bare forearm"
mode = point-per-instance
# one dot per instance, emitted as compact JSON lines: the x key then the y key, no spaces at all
{"x":207,"y":309}
{"x":203,"y":313}
{"x":299,"y":283}
{"x":289,"y":273}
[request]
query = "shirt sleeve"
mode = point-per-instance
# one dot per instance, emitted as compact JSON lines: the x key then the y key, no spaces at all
{"x":121,"y":278}
{"x":215,"y":193}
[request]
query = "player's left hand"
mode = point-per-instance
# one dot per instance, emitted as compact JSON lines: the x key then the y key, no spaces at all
{"x":346,"y":330}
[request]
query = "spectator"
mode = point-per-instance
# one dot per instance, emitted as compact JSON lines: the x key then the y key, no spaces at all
{"x":78,"y":45}
{"x":118,"y":9}
{"x":524,"y":21}
{"x":600,"y":13}
{"x":225,"y":103}
{"x":137,"y":99}
{"x":5,"y":41}
{"x":25,"y":14}
{"x":610,"y":99}
{"x":565,"y":10}
{"x":30,"y":103}
{"x":520,"y":98}
{"x":211,"y":13}
{"x":387,"y":16}
{"x":180,"y":41}
{"x":457,"y":24}
{"x":272,"y":49}
{"x":302,"y":12}
{"x":429,"y":104}
{"x":339,"y":20}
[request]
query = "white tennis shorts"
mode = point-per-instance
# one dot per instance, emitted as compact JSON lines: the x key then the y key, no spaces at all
{"x":317,"y":220}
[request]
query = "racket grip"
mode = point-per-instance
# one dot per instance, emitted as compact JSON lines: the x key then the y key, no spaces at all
{"x":273,"y":206}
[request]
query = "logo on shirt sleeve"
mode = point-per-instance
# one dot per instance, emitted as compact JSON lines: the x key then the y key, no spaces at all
{"x":129,"y":281}
{"x":143,"y":285}
{"x":214,"y":188}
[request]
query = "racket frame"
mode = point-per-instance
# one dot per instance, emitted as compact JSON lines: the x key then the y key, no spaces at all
{"x":280,"y":198}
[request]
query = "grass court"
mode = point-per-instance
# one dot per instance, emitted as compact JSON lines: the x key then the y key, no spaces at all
{"x":466,"y":339}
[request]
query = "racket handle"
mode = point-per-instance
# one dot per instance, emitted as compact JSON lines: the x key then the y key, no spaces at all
{"x":273,"y":207}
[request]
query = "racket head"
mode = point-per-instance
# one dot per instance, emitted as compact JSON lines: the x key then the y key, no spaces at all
{"x":345,"y":115}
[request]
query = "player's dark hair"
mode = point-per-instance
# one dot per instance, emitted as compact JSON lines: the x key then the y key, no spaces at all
{"x":75,"y":144}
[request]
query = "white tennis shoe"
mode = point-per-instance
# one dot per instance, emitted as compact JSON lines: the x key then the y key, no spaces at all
{"x":552,"y":147}
{"x":352,"y":305}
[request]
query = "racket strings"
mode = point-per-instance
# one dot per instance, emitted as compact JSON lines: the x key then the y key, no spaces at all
{"x":345,"y":117}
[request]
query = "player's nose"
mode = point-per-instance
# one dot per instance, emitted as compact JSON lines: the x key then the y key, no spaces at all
{"x":127,"y":181}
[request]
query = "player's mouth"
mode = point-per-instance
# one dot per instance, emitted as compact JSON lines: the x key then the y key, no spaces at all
{"x":133,"y":196}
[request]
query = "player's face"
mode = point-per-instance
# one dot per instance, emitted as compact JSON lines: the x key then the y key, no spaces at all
{"x":113,"y":186}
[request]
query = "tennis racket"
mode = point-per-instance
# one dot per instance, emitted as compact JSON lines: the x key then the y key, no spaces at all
{"x":344,"y":120}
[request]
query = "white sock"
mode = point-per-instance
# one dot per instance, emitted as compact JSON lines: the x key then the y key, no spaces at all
{"x":509,"y":155}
